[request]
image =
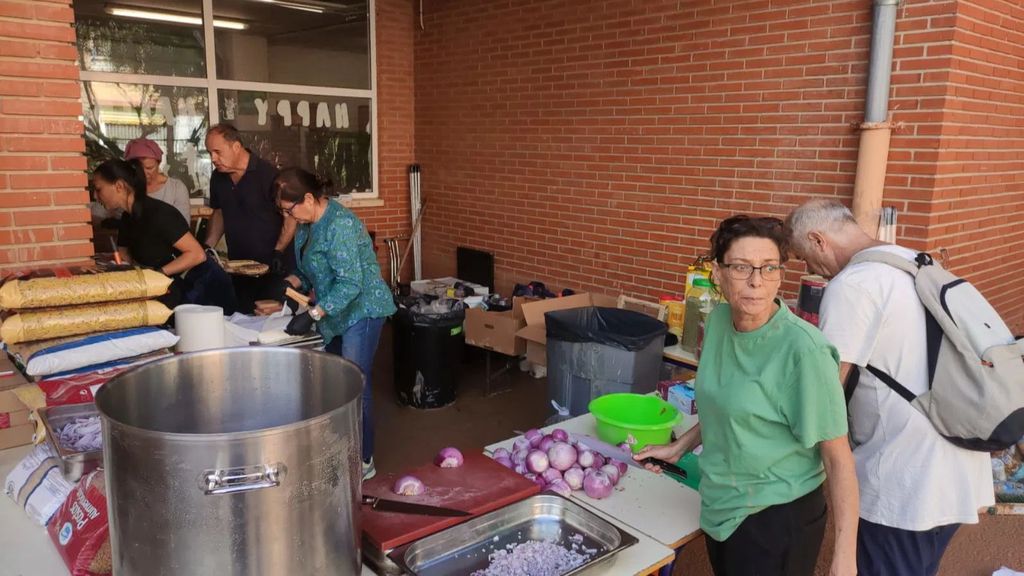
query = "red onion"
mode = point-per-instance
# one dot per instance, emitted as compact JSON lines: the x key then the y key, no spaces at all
{"x":545,"y":443}
{"x":519,"y":456}
{"x":502,"y":452}
{"x":625,"y":447}
{"x":560,"y":435}
{"x":520,"y":443}
{"x":612,"y":471}
{"x":520,"y":469}
{"x":449,"y":458}
{"x":561,"y":456}
{"x":409,"y":486}
{"x":597,"y":485}
{"x":585,"y":458}
{"x":537,"y":461}
{"x":505,"y":461}
{"x":560,"y":487}
{"x":533,"y":436}
{"x":623,"y":467}
{"x":574,"y":478}
{"x":550,"y":475}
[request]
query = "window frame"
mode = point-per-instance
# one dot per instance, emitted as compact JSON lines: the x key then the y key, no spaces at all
{"x":213,"y":85}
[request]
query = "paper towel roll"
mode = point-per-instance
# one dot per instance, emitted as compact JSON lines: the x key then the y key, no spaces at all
{"x":199,"y":327}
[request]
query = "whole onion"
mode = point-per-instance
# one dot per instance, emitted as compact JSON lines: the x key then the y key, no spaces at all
{"x":502,"y":452}
{"x":409,"y":486}
{"x":449,"y":458}
{"x":550,"y":475}
{"x":612,"y":471}
{"x":545,"y":443}
{"x":520,"y":443}
{"x":533,"y":436}
{"x":623,"y":467}
{"x":561,"y":456}
{"x":560,"y":487}
{"x":574,"y":478}
{"x":537,"y":462}
{"x":597,"y":485}
{"x":520,"y":469}
{"x":505,"y":461}
{"x":519,"y":456}
{"x":560,"y":435}
{"x":585,"y":458}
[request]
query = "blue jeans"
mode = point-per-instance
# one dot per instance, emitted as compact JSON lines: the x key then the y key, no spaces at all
{"x":359,"y":345}
{"x":886,"y":551}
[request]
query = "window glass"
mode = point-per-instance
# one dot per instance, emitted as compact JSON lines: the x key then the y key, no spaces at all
{"x":174,"y":117}
{"x":141,"y":38}
{"x":301,"y":42}
{"x":326,"y":135}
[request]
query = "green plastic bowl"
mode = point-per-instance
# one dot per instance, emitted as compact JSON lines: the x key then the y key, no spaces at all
{"x":647,"y":419}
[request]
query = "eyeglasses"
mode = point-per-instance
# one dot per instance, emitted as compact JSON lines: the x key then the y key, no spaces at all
{"x":741,"y":271}
{"x":289,"y":209}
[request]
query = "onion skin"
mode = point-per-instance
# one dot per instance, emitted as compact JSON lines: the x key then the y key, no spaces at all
{"x":550,"y":475}
{"x":520,"y":443}
{"x":597,"y":485}
{"x":505,"y":461}
{"x":561,"y":456}
{"x":537,"y":462}
{"x":449,"y":458}
{"x":533,"y":436}
{"x":561,"y":488}
{"x":409,"y":486}
{"x":585,"y":458}
{"x":612,"y":471}
{"x":574,"y":478}
{"x":519,"y":456}
{"x":502,"y":452}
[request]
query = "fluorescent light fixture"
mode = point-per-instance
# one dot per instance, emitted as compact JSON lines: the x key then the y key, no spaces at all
{"x":294,"y":6}
{"x":172,"y":17}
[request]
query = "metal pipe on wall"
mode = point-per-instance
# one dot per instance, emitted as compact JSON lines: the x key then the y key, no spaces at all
{"x":869,"y":182}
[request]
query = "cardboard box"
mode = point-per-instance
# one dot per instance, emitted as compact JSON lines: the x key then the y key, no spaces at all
{"x":497,"y":330}
{"x":10,"y":378}
{"x":535,"y":332}
{"x":16,"y":436}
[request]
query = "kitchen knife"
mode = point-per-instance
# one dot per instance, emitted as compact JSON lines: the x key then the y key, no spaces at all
{"x":615,"y":453}
{"x":383,"y":505}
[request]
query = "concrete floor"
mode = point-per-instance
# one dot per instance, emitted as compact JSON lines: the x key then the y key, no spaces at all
{"x":408,"y":437}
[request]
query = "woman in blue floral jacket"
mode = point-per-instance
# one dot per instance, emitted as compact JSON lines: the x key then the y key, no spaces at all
{"x":337,"y":264}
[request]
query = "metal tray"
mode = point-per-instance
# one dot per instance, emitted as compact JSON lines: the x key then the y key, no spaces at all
{"x":73,"y":464}
{"x":464,"y":548}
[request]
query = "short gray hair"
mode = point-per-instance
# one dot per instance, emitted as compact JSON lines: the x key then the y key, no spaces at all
{"x":818,"y":215}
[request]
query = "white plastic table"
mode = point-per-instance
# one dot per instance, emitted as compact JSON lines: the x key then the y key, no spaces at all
{"x":653,"y":504}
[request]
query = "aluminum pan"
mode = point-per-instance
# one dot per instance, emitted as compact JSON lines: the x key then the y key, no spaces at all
{"x":465,"y":548}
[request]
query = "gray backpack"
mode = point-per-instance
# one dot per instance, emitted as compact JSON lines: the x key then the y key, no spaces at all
{"x":975,"y":396}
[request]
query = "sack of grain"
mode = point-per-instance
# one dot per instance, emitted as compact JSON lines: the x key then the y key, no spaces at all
{"x":83,"y":289}
{"x":74,"y":320}
{"x":81,"y":530}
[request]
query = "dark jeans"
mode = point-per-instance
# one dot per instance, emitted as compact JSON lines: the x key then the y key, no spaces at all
{"x":359,"y":345}
{"x":782,"y":540}
{"x":885,"y":551}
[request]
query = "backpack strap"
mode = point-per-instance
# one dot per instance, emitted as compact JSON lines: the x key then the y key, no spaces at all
{"x":899,"y":262}
{"x":854,"y":378}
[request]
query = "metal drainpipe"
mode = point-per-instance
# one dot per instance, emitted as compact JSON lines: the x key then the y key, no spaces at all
{"x":876,"y":129}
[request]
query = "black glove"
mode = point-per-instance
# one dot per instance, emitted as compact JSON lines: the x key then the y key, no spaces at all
{"x":300,"y":325}
{"x":277,"y":264}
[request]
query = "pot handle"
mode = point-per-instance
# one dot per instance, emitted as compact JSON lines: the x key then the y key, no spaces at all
{"x":243,"y":479}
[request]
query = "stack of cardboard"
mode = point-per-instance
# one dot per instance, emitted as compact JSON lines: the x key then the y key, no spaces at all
{"x":15,"y":427}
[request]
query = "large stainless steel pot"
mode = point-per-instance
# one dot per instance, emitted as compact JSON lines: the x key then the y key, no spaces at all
{"x":234,"y":462}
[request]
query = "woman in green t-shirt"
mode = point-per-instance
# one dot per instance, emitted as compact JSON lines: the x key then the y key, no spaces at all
{"x":772,"y":420}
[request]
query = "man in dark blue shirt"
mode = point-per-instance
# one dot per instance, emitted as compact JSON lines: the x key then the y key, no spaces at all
{"x":245,"y":212}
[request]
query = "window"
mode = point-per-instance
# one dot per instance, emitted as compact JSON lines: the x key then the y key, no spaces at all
{"x":295,"y":76}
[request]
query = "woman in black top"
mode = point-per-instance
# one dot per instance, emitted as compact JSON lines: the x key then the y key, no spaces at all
{"x":153,"y":234}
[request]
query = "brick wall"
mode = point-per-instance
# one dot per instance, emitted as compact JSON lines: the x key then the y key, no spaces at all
{"x":395,"y":123}
{"x":978,"y":210}
{"x":595,"y":145}
{"x":43,"y":218}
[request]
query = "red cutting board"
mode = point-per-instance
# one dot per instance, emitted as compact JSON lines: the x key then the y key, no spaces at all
{"x":480,"y":485}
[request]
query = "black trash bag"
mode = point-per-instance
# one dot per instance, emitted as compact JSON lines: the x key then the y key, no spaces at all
{"x":624,"y":329}
{"x":432,"y":311}
{"x":428,"y":344}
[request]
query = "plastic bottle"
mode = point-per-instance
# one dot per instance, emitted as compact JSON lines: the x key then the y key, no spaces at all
{"x":674,"y":306}
{"x":699,"y":297}
{"x":708,"y":301}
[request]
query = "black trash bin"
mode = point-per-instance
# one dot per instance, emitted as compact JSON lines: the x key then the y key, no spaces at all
{"x":595,"y":351}
{"x":428,"y":344}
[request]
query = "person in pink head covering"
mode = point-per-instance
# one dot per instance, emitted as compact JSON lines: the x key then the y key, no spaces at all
{"x":159,"y":185}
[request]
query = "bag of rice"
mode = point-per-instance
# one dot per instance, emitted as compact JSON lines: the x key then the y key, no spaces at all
{"x":137,"y":284}
{"x":81,"y":530}
{"x":75,"y":320}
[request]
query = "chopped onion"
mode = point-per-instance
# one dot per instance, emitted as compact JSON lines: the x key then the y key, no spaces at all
{"x":597,"y":485}
{"x":561,"y":456}
{"x":409,"y":486}
{"x":449,"y":458}
{"x":585,"y":458}
{"x":560,"y":435}
{"x":503,"y":452}
{"x":537,"y":462}
{"x":612,"y":471}
{"x":550,"y":475}
{"x":533,"y":436}
{"x":574,"y":478}
{"x":545,"y":443}
{"x":560,"y":487}
{"x":504,"y":461}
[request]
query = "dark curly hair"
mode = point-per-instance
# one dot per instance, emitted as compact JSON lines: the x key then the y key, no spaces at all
{"x":743,"y":226}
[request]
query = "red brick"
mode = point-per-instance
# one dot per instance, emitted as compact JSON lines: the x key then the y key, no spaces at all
{"x":17,"y":68}
{"x":37,"y":107}
{"x":48,"y":181}
{"x":14,"y":163}
{"x":51,"y":216}
{"x":41,"y":144}
{"x":17,"y":10}
{"x":31,"y":31}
